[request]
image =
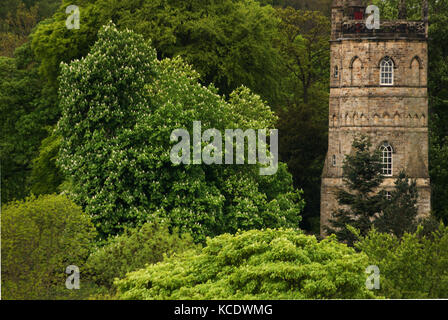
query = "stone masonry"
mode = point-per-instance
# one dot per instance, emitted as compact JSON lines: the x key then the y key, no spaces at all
{"x":396,"y":114}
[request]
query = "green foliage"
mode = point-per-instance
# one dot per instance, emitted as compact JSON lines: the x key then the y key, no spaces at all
{"x":230,"y":43}
{"x":269,"y":264}
{"x":304,"y":45}
{"x":367,"y":204}
{"x":362,"y":177}
{"x":16,"y":27}
{"x":389,"y":9}
{"x":399,"y":214}
{"x":45,"y":7}
{"x":303,"y":145}
{"x":439,"y":177}
{"x":120,"y":106}
{"x":413,"y":267}
{"x":17,"y":20}
{"x":303,"y":116}
{"x":22,"y":119}
{"x":438,"y":104}
{"x":40,"y":238}
{"x":133,"y":250}
{"x":315,"y":5}
{"x":45,"y":175}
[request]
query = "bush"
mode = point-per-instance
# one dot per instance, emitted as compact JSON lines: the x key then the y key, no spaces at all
{"x":269,"y":264}
{"x":40,"y":238}
{"x":415,"y":267}
{"x":133,"y":250}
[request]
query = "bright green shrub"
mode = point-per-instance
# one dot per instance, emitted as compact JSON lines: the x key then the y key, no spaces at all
{"x":269,"y":264}
{"x":133,"y":250}
{"x":40,"y":238}
{"x":415,"y":267}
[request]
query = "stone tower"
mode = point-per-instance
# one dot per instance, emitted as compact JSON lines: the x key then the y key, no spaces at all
{"x":378,"y":87}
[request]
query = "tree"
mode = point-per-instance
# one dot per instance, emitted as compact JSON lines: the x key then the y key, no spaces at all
{"x":304,"y":45}
{"x":230,"y":43}
{"x":438,"y":106}
{"x":413,"y":267}
{"x":302,"y":145}
{"x":120,"y":106}
{"x":303,"y":111}
{"x":389,"y":9}
{"x":361,"y":201}
{"x":45,"y":7}
{"x":17,"y":20}
{"x":46,"y":176}
{"x":41,"y":237}
{"x":439,"y":177}
{"x":366,"y":205}
{"x":254,"y":265}
{"x":399,"y":214}
{"x":323,"y":6}
{"x":23,"y":123}
{"x":133,"y":250}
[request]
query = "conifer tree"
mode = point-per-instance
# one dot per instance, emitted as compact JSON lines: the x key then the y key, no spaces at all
{"x":399,"y":214}
{"x":359,"y":201}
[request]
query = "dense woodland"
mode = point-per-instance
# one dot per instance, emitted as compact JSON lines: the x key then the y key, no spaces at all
{"x":86,"y":177}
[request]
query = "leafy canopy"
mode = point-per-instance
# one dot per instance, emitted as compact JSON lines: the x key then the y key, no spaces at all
{"x":133,"y":250}
{"x":413,"y":267}
{"x":119,"y":107}
{"x":268,"y":264}
{"x":23,"y":117}
{"x":40,"y":238}
{"x":230,"y":43}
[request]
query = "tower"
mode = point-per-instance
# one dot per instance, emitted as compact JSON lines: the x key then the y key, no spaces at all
{"x":378,"y":87}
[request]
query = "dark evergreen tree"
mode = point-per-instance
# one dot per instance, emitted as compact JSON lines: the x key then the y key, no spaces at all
{"x":360,"y":202}
{"x":399,"y":214}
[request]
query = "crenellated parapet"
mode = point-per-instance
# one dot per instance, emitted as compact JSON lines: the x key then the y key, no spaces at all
{"x":388,"y":30}
{"x":349,"y":21}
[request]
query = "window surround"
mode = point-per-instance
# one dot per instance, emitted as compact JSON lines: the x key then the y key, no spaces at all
{"x":387,"y":72}
{"x":387,"y":159}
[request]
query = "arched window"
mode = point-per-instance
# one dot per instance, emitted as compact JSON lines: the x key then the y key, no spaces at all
{"x":357,"y":75}
{"x":334,"y":160}
{"x":387,"y":72}
{"x":414,"y":77}
{"x":386,"y":158}
{"x":336,"y":72}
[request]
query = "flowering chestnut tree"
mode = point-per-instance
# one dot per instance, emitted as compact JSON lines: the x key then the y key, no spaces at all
{"x":119,"y":107}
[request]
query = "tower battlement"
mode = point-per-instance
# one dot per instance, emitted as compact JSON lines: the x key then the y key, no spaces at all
{"x":356,"y":29}
{"x":349,"y":21}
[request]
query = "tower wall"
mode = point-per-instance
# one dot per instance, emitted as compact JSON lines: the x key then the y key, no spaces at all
{"x":358,"y":104}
